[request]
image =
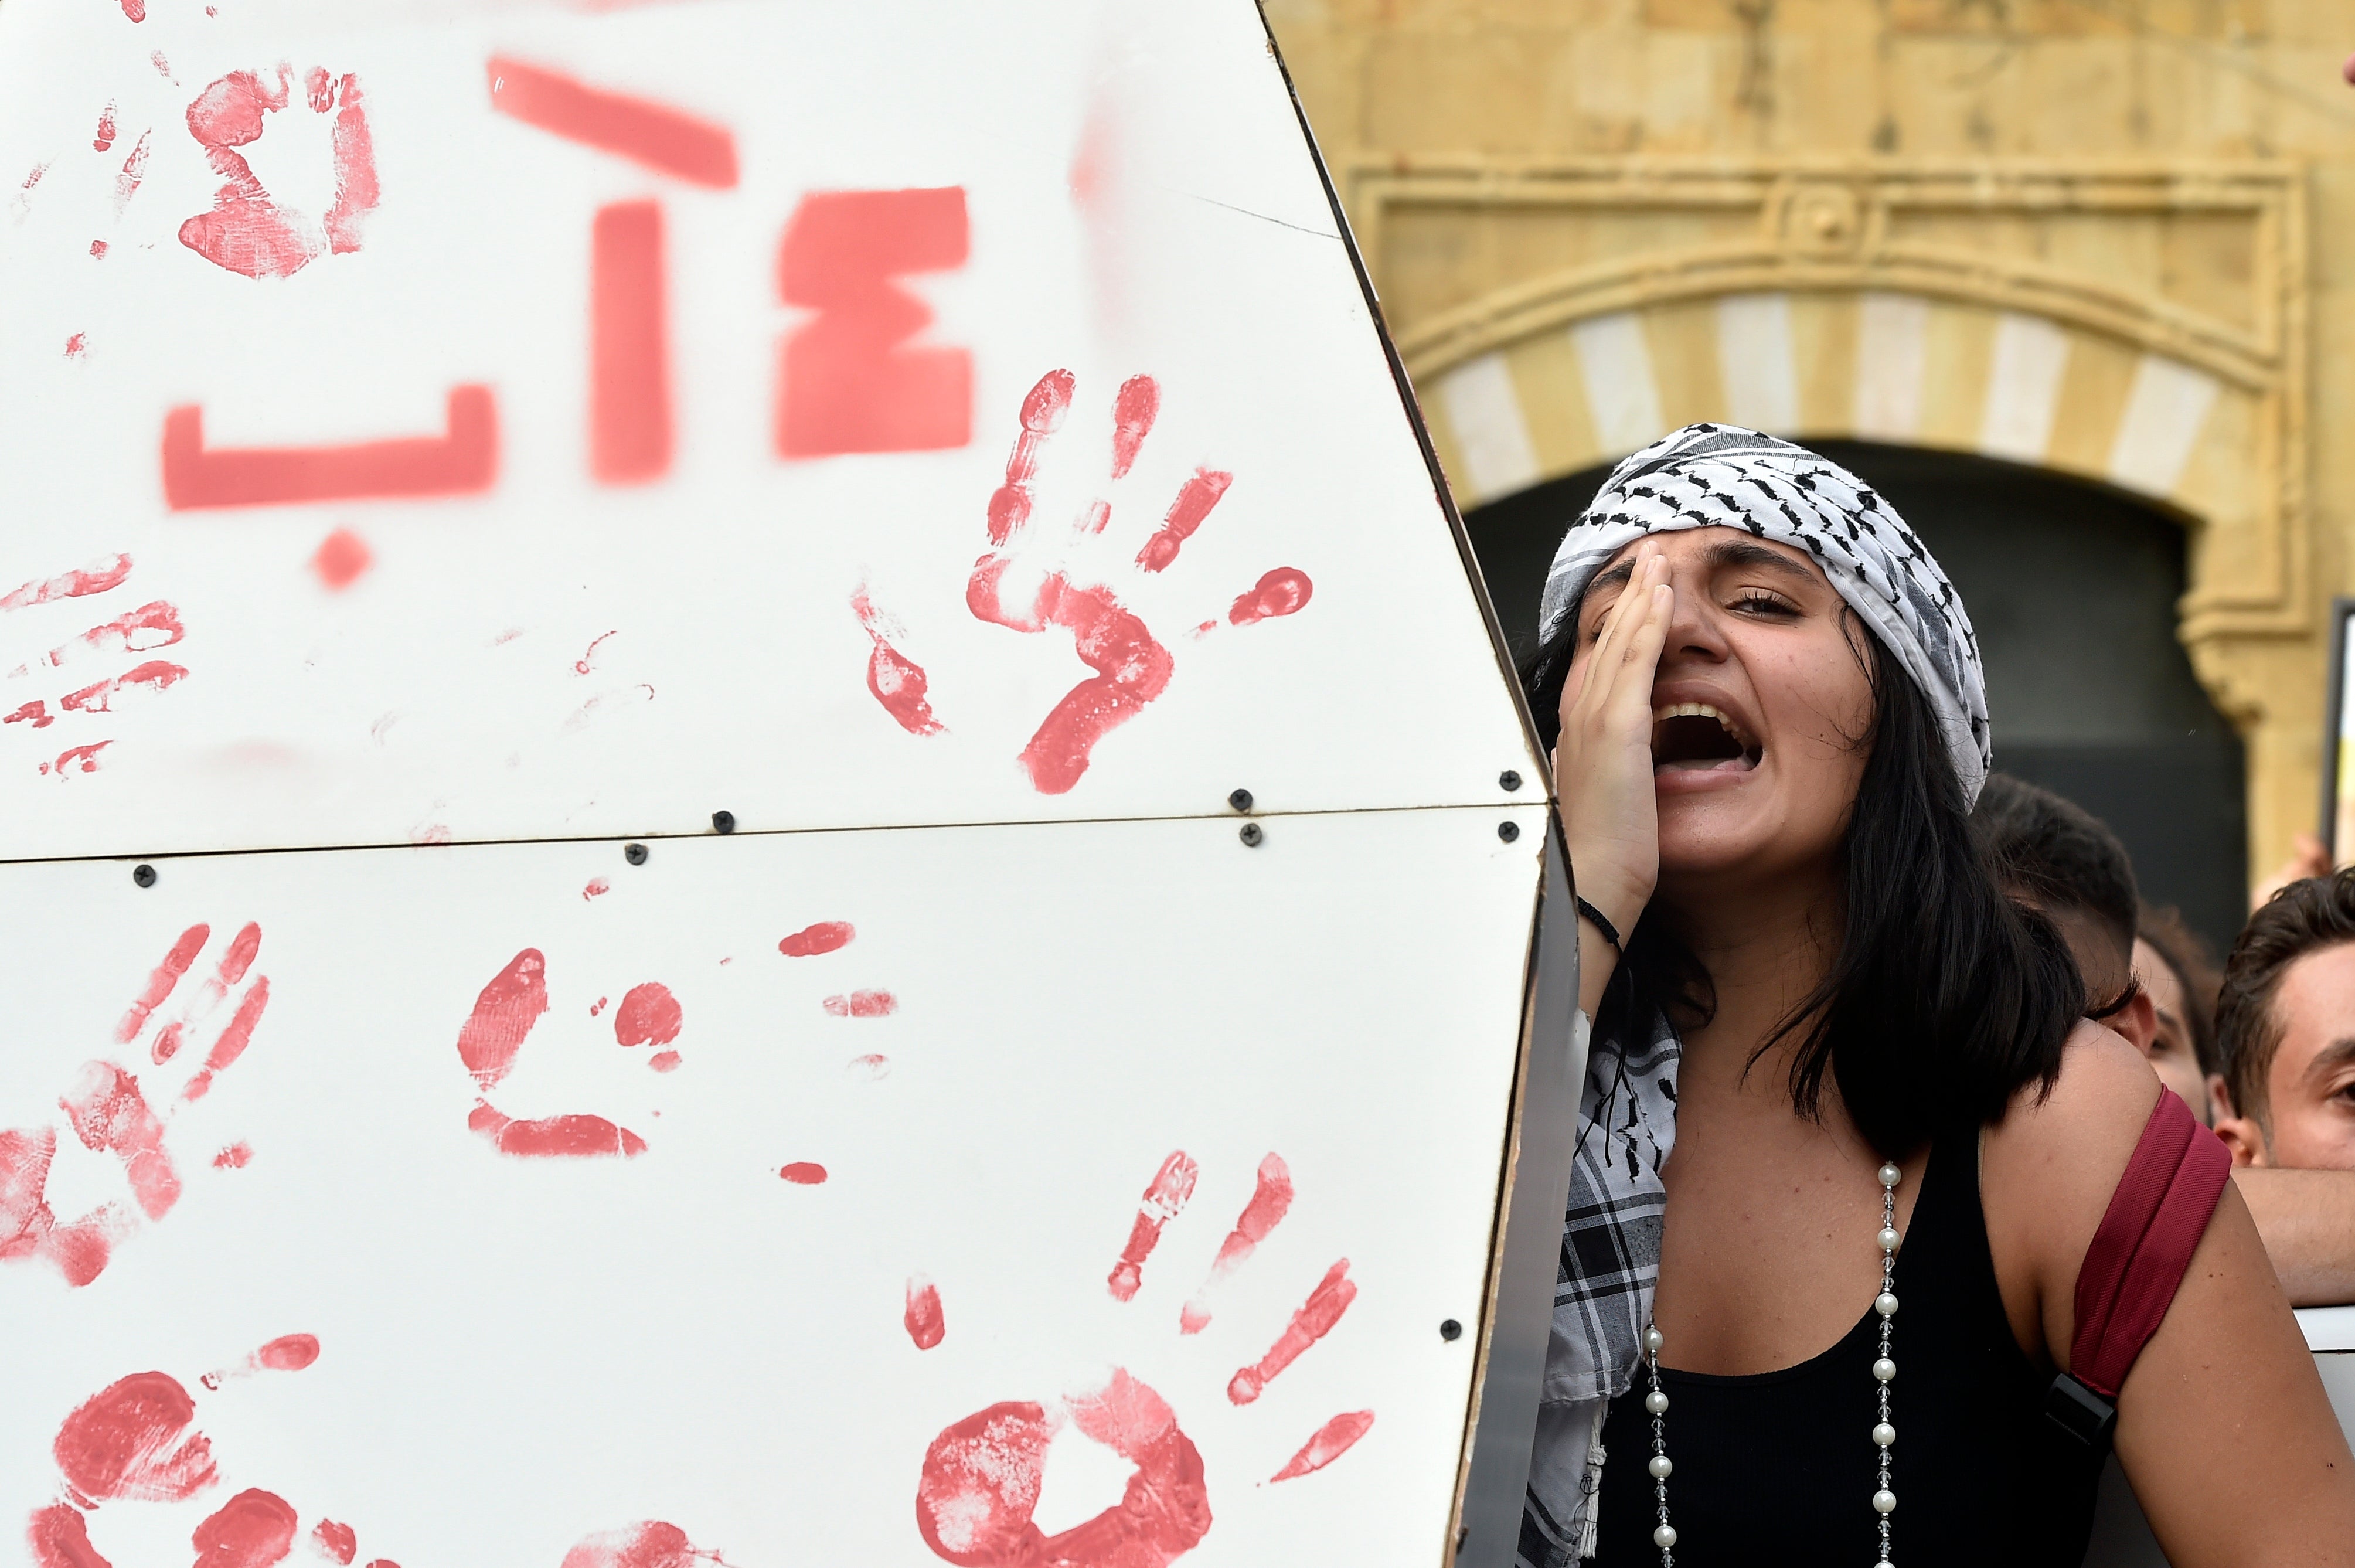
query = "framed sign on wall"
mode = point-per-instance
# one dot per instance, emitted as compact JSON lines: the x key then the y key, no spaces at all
{"x":2338,"y":827}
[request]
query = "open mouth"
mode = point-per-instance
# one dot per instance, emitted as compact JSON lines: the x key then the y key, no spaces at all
{"x":1696,"y":736}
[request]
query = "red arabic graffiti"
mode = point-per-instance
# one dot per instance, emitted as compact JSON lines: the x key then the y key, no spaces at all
{"x":849,"y":381}
{"x":629,"y":352}
{"x":655,"y":134}
{"x":463,"y":460}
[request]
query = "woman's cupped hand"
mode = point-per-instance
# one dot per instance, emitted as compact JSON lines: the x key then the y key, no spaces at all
{"x":1602,"y":761}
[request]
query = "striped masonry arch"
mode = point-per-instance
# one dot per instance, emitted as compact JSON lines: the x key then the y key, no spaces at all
{"x":1907,"y":368}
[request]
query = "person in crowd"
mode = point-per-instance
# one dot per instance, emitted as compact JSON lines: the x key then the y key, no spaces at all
{"x":2286,"y":1022}
{"x":2060,"y":860}
{"x":2171,"y":963}
{"x":1845,"y":1136}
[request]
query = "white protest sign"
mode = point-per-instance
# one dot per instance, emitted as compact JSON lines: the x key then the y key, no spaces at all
{"x":870,"y":1193}
{"x":543,"y":422}
{"x":1055,"y":1118}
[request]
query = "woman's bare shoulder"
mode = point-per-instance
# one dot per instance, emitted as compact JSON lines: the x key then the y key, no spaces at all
{"x":2106,"y":1086}
{"x":2047,"y":1169}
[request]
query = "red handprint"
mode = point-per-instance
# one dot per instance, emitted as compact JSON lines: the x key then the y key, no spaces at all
{"x":119,"y":641}
{"x":493,"y":1036}
{"x":247,"y":231}
{"x":138,"y":1440}
{"x":1023,"y":583}
{"x":110,"y":1111}
{"x":981,"y":1478}
{"x":982,"y":1475}
{"x":510,"y":1007}
{"x":649,"y":1544}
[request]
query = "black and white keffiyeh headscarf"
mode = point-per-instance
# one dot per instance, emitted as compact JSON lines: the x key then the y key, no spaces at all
{"x":1704,"y":476}
{"x":1719,"y":476}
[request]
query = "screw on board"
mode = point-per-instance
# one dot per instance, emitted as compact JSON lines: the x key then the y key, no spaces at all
{"x":1509,"y":780}
{"x":1251,"y":835}
{"x":1509,"y":831}
{"x":723,"y":821}
{"x":1450,"y":1330}
{"x":636,"y":854}
{"x":1241,"y":800}
{"x":143,"y":875}
{"x":1463,"y":1534}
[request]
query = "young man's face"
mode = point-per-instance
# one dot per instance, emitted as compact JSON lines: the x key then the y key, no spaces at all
{"x":2310,"y":1090}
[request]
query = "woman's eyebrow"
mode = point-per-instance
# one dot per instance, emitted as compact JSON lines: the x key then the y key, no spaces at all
{"x":1740,"y":553}
{"x":1613,"y":576}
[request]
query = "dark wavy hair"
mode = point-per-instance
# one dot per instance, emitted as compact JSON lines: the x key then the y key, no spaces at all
{"x":1945,"y":998}
{"x":2302,"y":918}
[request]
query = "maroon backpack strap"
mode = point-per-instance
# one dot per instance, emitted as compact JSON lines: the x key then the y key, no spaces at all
{"x":2136,"y":1260}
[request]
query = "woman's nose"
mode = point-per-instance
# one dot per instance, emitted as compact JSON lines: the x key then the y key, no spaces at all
{"x":1693,"y":625}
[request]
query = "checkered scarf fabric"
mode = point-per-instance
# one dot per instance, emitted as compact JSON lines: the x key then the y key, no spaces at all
{"x":1602,"y":1295}
{"x":1716,"y":475}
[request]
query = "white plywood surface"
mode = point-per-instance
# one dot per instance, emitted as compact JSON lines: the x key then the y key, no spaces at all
{"x":438,"y":441}
{"x":515,"y":1353}
{"x":556,"y":653}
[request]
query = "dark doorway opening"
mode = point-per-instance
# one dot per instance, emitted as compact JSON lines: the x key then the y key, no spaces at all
{"x":2072,"y":587}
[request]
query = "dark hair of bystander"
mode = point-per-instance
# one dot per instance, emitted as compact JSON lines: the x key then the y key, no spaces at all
{"x":2058,"y":855}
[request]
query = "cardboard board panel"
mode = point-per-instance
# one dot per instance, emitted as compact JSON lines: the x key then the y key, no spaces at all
{"x":301,"y":1145}
{"x":429,"y":423}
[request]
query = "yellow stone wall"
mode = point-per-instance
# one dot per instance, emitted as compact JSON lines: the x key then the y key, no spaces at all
{"x":2112,"y":237}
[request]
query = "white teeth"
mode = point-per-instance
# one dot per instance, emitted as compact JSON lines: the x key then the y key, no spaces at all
{"x":1701,"y":710}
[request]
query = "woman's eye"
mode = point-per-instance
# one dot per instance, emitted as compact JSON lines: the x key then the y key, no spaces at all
{"x":1757,"y":602}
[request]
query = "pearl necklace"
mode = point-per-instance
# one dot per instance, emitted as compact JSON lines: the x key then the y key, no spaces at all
{"x":1884,"y":1372}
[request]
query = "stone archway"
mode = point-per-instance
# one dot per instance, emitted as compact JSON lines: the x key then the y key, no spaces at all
{"x":2137,"y":327}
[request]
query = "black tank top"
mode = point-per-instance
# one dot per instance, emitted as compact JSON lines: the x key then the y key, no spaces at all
{"x":1779,"y":1467}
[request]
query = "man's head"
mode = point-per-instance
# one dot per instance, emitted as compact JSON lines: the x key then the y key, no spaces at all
{"x":2172,"y":964}
{"x":2056,"y":857}
{"x":2285,"y":1028}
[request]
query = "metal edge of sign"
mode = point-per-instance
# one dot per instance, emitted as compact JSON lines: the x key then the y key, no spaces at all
{"x":1413,"y":410}
{"x":1525,"y":1251}
{"x":1500,"y":1419}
